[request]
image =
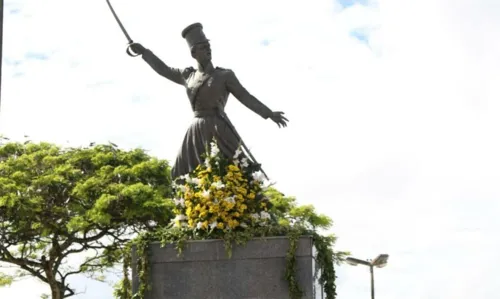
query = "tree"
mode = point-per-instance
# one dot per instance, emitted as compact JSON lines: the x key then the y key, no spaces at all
{"x":288,"y":212}
{"x":56,"y":203}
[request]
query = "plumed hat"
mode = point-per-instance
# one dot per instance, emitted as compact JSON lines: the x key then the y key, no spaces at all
{"x":194,"y":34}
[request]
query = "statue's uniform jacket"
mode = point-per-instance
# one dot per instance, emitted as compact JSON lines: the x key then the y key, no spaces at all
{"x":207,"y":92}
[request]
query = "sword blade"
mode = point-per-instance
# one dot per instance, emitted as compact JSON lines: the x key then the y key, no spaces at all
{"x":119,"y":22}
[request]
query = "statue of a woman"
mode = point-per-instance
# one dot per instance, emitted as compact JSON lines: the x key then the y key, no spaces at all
{"x":208,"y":88}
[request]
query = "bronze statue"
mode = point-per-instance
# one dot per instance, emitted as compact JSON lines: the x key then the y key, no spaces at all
{"x":208,"y":88}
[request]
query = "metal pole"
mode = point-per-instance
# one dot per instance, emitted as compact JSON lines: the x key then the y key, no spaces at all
{"x":372,"y":282}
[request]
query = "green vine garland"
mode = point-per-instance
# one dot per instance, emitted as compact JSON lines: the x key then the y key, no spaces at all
{"x":325,"y":256}
{"x":291,"y":263}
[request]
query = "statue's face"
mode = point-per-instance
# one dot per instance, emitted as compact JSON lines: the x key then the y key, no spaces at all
{"x":202,"y":52}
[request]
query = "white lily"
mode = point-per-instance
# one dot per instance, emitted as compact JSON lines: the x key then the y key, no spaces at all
{"x":195,"y":181}
{"x":179,"y":202}
{"x":258,"y":176}
{"x":218,"y":185}
{"x":230,"y":199}
{"x":213,"y":225}
{"x":214,"y":150}
{"x":244,"y":162}
{"x":206,"y":193}
{"x":180,"y":218}
{"x":207,"y":163}
{"x":265,"y":215}
{"x":237,"y":154}
{"x":255,"y":216}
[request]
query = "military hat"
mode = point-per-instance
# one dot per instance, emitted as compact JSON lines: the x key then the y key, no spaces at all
{"x":194,"y":34}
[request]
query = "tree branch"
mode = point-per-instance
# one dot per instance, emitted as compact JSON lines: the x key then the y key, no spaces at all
{"x":9,"y":258}
{"x":34,"y":273}
{"x":87,"y":263}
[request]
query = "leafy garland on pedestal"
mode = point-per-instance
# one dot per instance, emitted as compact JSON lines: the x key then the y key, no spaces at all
{"x":229,"y":199}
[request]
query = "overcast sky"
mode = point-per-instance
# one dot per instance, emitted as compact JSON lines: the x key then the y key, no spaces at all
{"x":393,"y":108}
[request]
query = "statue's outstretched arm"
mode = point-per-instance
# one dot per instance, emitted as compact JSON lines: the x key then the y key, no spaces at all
{"x":234,"y":87}
{"x":173,"y":74}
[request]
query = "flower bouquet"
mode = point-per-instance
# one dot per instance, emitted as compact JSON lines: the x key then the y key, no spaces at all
{"x":221,"y":195}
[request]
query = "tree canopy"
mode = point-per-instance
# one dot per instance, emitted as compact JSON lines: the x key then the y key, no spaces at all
{"x":59,"y":202}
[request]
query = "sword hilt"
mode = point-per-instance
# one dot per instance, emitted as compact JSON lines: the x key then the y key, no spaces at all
{"x":129,"y":50}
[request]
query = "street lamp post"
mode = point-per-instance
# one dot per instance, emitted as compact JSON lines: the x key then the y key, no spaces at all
{"x":379,"y":262}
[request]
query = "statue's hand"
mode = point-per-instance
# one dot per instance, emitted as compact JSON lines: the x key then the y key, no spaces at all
{"x":137,"y":48}
{"x":279,"y":119}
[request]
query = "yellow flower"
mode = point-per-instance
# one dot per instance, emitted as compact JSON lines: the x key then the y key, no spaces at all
{"x":220,"y":225}
{"x":188,"y":195}
{"x":233,"y":223}
{"x":233,"y":167}
{"x":242,"y":208}
{"x":223,"y":216}
{"x":228,"y":206}
{"x":251,"y":195}
{"x":214,"y":209}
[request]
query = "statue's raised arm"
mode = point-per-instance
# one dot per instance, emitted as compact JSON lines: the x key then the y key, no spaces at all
{"x":176,"y":75}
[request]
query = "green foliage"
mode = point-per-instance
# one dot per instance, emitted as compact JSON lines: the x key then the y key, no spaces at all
{"x":6,"y":280}
{"x":288,"y":212}
{"x":291,"y":265}
{"x":290,"y":219}
{"x":57,"y":202}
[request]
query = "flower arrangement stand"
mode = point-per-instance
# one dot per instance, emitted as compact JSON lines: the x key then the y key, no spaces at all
{"x":255,"y":270}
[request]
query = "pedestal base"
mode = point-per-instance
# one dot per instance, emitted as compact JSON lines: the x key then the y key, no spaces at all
{"x":204,"y":271}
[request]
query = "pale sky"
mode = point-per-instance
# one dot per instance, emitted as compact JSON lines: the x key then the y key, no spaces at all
{"x":393,"y":108}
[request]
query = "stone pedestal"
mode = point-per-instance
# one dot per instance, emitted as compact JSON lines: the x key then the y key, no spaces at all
{"x":204,"y":271}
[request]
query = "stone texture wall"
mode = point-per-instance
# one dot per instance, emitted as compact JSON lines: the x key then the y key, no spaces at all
{"x":204,"y":271}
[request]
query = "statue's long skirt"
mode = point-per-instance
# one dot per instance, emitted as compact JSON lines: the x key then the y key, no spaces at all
{"x":197,"y":139}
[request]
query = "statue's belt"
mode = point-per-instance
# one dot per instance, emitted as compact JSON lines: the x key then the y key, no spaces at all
{"x":206,"y":112}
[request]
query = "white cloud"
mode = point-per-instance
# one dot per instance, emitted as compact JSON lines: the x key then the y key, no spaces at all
{"x":396,"y":138}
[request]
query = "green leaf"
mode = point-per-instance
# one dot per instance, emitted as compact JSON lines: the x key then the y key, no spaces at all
{"x":6,"y":280}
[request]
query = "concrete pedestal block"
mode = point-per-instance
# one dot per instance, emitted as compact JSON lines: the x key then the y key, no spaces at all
{"x":204,"y":271}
